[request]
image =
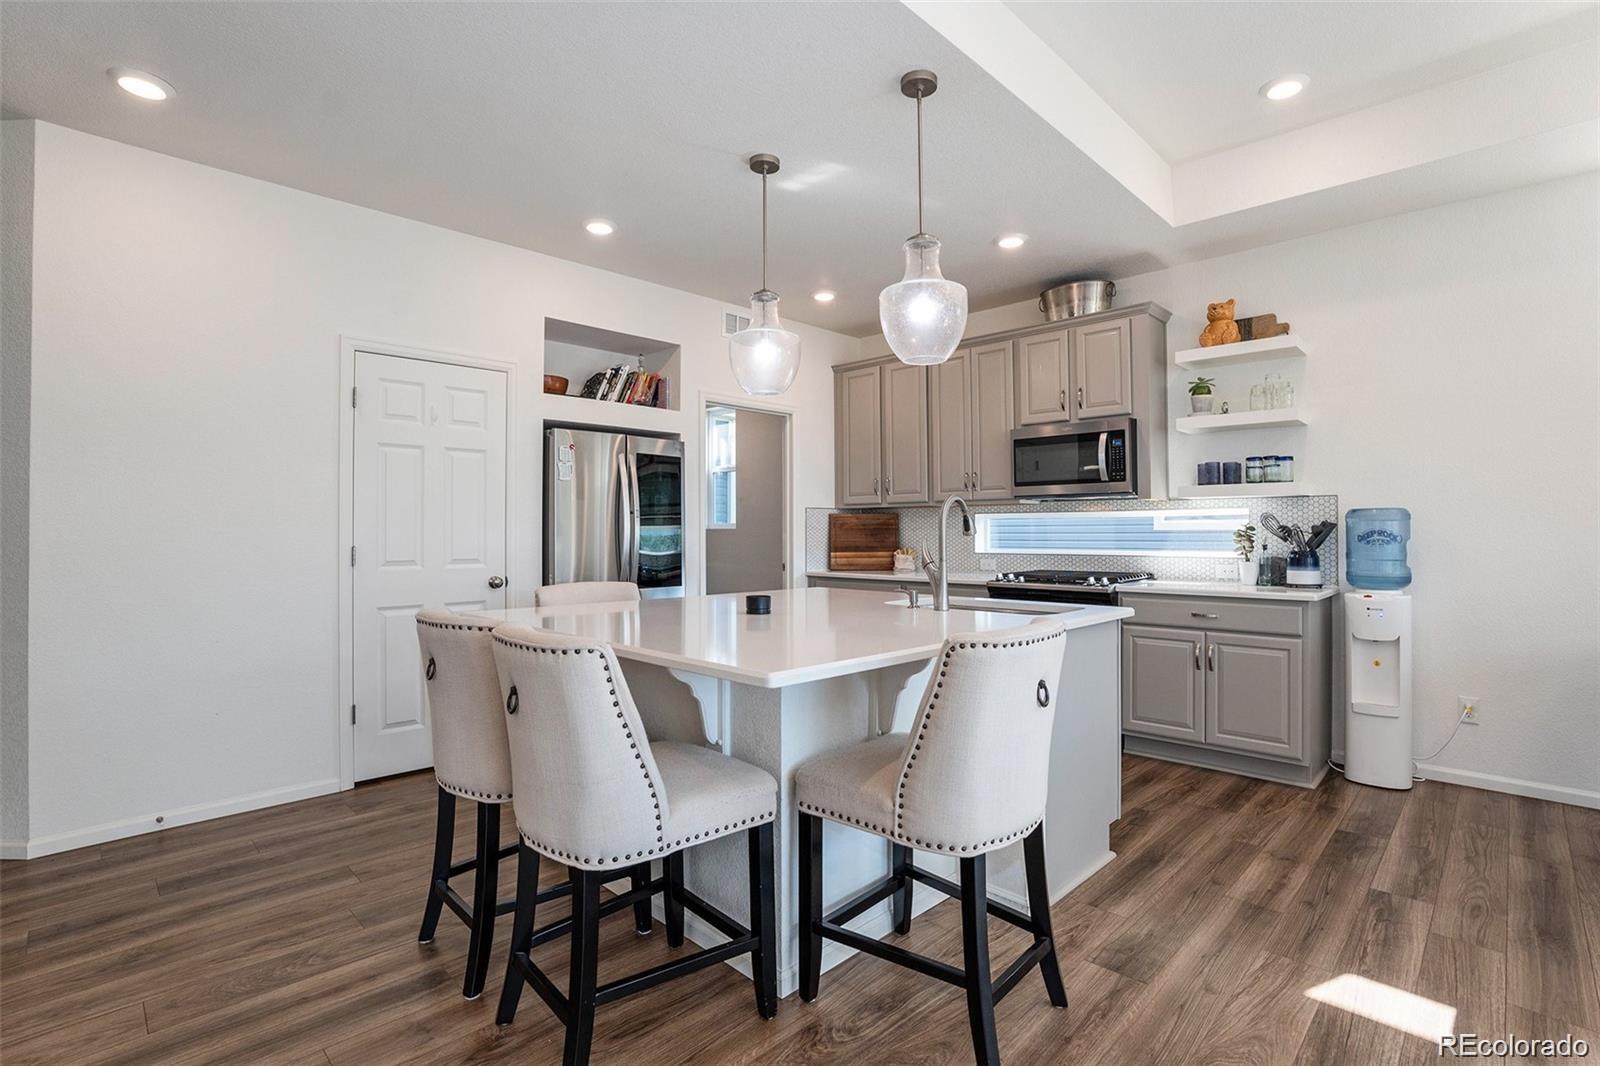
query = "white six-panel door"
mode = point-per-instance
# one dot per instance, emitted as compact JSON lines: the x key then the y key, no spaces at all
{"x":430,"y":531}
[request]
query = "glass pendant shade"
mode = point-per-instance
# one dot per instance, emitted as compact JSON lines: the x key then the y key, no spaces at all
{"x":923,"y":315}
{"x":765,"y":357}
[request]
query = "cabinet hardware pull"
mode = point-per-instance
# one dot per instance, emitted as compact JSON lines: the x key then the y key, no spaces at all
{"x":1200,"y":614}
{"x":874,"y":486}
{"x":1063,"y":399}
{"x":888,"y":486}
{"x":1197,"y":656}
{"x":1211,"y":657}
{"x":1080,"y":397}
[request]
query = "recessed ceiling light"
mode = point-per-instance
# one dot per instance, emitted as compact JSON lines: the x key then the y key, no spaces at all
{"x":823,"y":296}
{"x":600,"y":227}
{"x":139,"y":83}
{"x":1285,"y":87}
{"x":1012,"y":240}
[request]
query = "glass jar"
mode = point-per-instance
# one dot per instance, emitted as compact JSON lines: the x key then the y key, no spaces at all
{"x":1258,"y":398}
{"x":1273,"y":387}
{"x":1252,"y":468}
{"x":1269,"y":468}
{"x":1285,"y":468}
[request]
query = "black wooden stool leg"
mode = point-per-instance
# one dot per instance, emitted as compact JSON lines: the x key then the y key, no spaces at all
{"x":763,"y":920}
{"x":810,"y":905}
{"x":483,"y":900}
{"x":638,"y":878}
{"x":673,"y":868}
{"x":582,"y":975}
{"x":1039,"y":911}
{"x":899,"y":859}
{"x":975,"y":951}
{"x":444,"y":839}
{"x":521,"y":932}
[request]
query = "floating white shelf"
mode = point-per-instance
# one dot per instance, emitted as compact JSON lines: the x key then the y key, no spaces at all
{"x":577,"y":409}
{"x":1287,"y":346}
{"x":1283,"y":416}
{"x":1258,"y":488}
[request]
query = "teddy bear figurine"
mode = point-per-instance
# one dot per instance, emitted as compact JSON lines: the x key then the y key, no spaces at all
{"x":1220,"y":326}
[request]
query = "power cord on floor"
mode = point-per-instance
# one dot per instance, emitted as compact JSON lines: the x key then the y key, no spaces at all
{"x":1431,"y":755}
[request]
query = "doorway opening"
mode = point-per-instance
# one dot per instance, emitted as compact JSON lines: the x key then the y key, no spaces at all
{"x":745,"y":456}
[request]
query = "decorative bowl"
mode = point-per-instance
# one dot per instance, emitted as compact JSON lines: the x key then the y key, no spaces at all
{"x":555,"y":384}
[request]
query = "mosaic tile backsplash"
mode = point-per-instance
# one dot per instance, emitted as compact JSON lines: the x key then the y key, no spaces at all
{"x":919,"y":525}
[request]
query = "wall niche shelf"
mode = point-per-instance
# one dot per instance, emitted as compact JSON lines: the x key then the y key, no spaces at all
{"x":576,"y":410}
{"x":1254,"y":488}
{"x":1283,"y":416}
{"x":1287,"y":346}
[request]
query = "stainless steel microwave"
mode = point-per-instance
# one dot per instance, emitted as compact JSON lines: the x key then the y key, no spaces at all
{"x":1098,"y":458}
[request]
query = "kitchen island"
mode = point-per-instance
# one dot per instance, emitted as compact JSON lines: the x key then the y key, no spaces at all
{"x":833,"y":667}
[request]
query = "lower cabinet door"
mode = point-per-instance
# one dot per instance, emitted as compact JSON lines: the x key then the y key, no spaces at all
{"x":1163,"y":685}
{"x":1253,"y":694}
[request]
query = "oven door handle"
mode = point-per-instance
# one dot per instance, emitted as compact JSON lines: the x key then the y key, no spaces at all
{"x":1105,"y":435}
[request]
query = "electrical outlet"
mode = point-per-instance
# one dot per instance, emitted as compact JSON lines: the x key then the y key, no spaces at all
{"x":1470,"y":708}
{"x":1225,"y":572}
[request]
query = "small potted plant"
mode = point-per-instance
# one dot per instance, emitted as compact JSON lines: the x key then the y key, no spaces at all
{"x":1244,"y":542}
{"x":1200,"y":397}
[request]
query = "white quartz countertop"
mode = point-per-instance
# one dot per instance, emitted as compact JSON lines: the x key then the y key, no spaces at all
{"x":1231,"y":589}
{"x":810,"y":635}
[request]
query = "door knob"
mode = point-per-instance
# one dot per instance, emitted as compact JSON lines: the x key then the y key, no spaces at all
{"x":497,"y":581}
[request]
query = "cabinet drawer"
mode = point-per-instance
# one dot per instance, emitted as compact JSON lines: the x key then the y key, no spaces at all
{"x":1282,"y":619}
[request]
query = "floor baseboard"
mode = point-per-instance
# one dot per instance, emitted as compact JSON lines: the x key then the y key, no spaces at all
{"x":1577,"y":797}
{"x":38,"y":847}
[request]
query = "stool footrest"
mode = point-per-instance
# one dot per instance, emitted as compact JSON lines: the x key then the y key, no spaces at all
{"x":1019,"y":969}
{"x":711,"y":915}
{"x":638,"y":982}
{"x":1000,"y":910}
{"x":562,"y":926}
{"x":864,"y":901}
{"x":890,"y":953}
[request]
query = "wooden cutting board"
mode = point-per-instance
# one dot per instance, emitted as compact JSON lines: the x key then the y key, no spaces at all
{"x":862,"y":541}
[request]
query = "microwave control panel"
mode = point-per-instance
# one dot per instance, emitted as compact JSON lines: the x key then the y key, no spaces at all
{"x":1117,"y":457}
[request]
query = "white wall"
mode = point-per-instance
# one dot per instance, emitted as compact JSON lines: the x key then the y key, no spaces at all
{"x":1454,"y":372}
{"x":186,"y":344}
{"x":746,"y":558}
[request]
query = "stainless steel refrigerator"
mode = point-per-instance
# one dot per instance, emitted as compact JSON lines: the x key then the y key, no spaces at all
{"x":613,"y":509}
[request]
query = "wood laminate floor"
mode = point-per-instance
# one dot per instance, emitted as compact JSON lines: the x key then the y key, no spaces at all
{"x":288,"y":935}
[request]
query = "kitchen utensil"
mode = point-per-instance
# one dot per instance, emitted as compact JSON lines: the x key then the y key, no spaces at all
{"x":1319,"y":533}
{"x":1270,"y":523}
{"x":863,"y":541}
{"x":1073,"y":298}
{"x":555,"y":384}
{"x":1304,"y":569}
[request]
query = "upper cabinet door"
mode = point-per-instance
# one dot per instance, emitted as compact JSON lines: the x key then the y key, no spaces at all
{"x":905,"y":433}
{"x":1042,"y":378}
{"x":859,"y":436}
{"x":993,"y":405}
{"x":1102,"y":369}
{"x":950,"y":421}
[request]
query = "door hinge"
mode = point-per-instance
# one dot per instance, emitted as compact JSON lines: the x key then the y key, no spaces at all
{"x":352,"y":555}
{"x":352,"y":714}
{"x":352,"y":395}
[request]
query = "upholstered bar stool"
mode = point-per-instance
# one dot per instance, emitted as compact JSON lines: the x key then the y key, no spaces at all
{"x":970,"y":777}
{"x":470,"y":761}
{"x":577,"y":592}
{"x":591,"y":791}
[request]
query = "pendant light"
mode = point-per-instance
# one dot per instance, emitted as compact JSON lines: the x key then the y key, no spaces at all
{"x":923,"y":315}
{"x":764,"y":355}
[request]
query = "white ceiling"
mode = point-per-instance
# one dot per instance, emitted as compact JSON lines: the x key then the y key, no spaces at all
{"x":517,"y":122}
{"x":1186,"y":75}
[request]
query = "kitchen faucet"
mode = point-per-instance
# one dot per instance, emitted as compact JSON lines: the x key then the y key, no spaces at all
{"x":937,"y":571}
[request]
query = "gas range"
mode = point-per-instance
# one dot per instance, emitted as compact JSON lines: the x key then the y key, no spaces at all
{"x":1064,"y":586}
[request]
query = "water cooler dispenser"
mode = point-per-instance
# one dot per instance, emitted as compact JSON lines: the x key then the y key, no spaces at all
{"x":1377,"y":630}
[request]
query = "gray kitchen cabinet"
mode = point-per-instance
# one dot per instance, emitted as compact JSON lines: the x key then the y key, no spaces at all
{"x":1102,"y":369}
{"x":950,"y":402}
{"x":1042,"y":372}
{"x":970,"y":400}
{"x":1229,"y":683}
{"x":905,"y":433}
{"x":1253,"y":694}
{"x":859,"y":448}
{"x":881,"y":434}
{"x":1164,"y":689}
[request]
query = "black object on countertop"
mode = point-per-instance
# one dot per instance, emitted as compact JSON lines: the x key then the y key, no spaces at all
{"x":755,"y":604}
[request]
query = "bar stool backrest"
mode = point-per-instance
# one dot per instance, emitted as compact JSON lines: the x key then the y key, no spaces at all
{"x":470,"y":754}
{"x":588,"y":790}
{"x":975,"y":772}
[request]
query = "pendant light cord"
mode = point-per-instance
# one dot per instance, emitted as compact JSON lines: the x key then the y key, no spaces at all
{"x":919,"y":161}
{"x":763,"y":232}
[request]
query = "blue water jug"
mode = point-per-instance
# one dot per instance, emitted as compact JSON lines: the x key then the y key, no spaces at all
{"x":1375,"y":547}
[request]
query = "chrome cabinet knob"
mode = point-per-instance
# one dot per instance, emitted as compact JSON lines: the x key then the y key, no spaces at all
{"x":497,"y":581}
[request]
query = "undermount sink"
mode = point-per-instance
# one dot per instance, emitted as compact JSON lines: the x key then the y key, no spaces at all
{"x":985,"y":603}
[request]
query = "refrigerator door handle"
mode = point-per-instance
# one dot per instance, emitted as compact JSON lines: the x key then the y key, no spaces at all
{"x":624,"y":517}
{"x":636,"y":529}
